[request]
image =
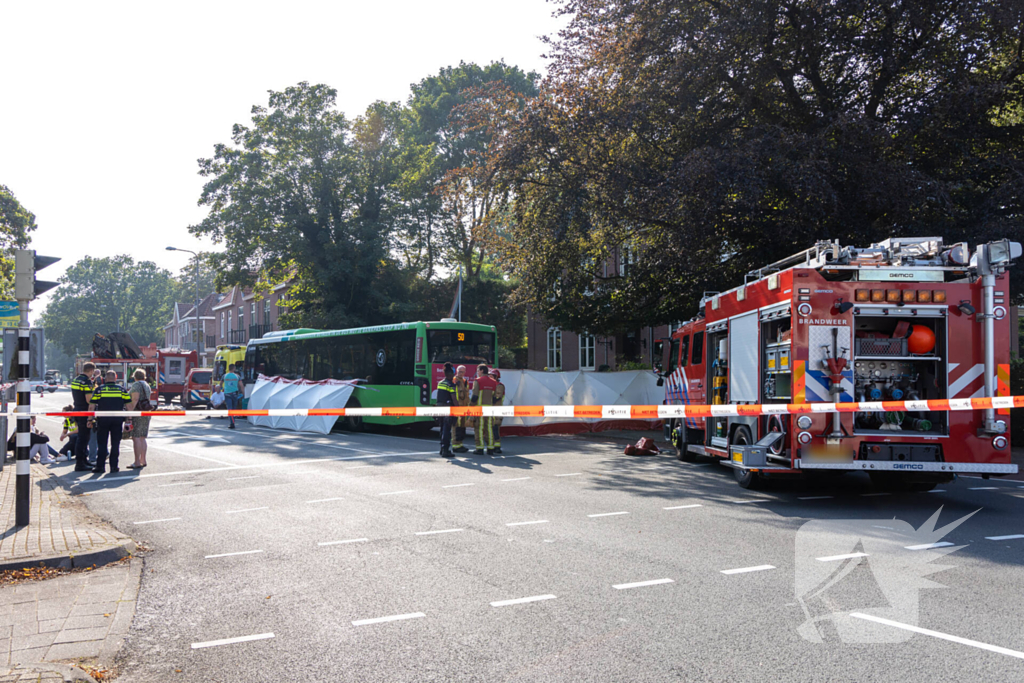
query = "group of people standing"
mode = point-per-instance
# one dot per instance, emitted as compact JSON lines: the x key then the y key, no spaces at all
{"x":457,"y":390}
{"x":93,"y":391}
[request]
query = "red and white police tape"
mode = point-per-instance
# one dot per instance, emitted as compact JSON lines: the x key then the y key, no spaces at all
{"x":617,"y":412}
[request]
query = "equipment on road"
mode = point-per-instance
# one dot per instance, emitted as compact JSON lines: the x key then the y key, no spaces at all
{"x":896,"y":321}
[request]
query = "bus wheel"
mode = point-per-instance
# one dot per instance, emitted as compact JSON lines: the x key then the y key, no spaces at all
{"x":352,"y":423}
{"x":745,"y":478}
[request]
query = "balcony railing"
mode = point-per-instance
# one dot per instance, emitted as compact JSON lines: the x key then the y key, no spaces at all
{"x":238,"y":336}
{"x":257,"y":331}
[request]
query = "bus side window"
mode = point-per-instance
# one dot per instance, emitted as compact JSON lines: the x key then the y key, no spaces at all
{"x":673,"y":356}
{"x":698,"y":348}
{"x":685,"y":351}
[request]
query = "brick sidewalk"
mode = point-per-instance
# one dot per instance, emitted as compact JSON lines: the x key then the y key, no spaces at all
{"x":60,"y":527}
{"x":79,"y":617}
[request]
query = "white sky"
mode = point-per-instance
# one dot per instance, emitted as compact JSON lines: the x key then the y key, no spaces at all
{"x":105,"y":107}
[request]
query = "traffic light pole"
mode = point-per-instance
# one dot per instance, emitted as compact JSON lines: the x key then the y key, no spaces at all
{"x":23,"y":484}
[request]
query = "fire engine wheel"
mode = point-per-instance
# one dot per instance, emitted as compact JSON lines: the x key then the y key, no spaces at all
{"x":681,"y":441}
{"x":745,"y":478}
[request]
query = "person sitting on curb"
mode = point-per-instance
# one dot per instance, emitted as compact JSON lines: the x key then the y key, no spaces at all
{"x":217,"y":398}
{"x":70,"y":432}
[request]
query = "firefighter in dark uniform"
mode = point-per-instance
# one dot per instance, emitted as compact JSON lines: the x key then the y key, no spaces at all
{"x":81,"y":393}
{"x":446,"y":391}
{"x":110,"y":396}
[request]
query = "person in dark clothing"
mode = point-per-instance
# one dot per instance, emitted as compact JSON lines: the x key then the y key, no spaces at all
{"x":110,"y":396}
{"x":81,"y":394}
{"x":446,"y":397}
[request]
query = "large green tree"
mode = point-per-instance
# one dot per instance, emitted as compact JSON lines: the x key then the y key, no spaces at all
{"x":104,"y":295}
{"x":706,"y":138}
{"x":16,"y":222}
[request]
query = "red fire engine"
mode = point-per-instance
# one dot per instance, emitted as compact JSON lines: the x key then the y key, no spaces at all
{"x":905,"y":319}
{"x":174,"y":367}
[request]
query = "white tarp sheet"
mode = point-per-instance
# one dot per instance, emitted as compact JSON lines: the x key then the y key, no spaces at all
{"x":533,"y":388}
{"x":275,"y":393}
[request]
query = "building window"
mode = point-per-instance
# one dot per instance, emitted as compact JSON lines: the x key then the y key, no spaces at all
{"x":554,"y":348}
{"x":588,"y":351}
{"x":241,"y":318}
{"x":252,"y":313}
{"x":266,"y":312}
{"x":627,"y":259}
{"x":222,"y":317}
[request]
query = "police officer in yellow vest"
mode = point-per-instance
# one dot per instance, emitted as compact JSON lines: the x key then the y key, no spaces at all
{"x":446,"y":397}
{"x":110,"y":396}
{"x":81,"y":394}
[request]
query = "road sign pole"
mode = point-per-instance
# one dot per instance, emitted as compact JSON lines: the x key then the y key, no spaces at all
{"x":23,"y":484}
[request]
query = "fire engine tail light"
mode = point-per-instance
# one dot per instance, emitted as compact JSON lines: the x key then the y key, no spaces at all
{"x":909,"y":295}
{"x":804,"y":422}
{"x":924,"y":297}
{"x":804,"y":437}
{"x":862,"y":295}
{"x":939,"y":296}
{"x":999,"y":443}
{"x":892,"y":296}
{"x":878,"y":295}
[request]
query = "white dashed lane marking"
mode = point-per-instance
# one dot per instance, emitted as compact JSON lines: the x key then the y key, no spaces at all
{"x":154,"y":521}
{"x":576,"y":474}
{"x":1011,"y":537}
{"x":235,"y":512}
{"x":520,"y":601}
{"x":230,"y":641}
{"x":683,"y":507}
{"x":608,"y":514}
{"x":323,"y":500}
{"x":350,"y":540}
{"x":439,"y":531}
{"x":516,"y":479}
{"x":539,"y":521}
{"x":639,"y":584}
{"x":929,"y":546}
{"x":395,"y":493}
{"x":814,"y":497}
{"x":936,"y":634}
{"x":381,"y":620}
{"x":983,"y":488}
{"x":455,"y":486}
{"x":744,"y":570}
{"x":243,"y":552}
{"x":252,"y":476}
{"x":834,"y":558}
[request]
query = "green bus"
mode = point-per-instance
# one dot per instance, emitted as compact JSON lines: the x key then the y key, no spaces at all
{"x":400,"y":363}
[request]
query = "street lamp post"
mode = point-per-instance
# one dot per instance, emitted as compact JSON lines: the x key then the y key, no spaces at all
{"x":201,"y":343}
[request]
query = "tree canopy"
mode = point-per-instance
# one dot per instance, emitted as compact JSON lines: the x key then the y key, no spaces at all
{"x":706,"y":138}
{"x":16,"y":222}
{"x":108,"y":295}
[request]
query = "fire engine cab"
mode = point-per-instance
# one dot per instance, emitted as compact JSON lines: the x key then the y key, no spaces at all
{"x":907,"y":319}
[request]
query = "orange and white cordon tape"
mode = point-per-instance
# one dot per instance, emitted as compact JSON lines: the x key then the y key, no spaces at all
{"x":613,"y":412}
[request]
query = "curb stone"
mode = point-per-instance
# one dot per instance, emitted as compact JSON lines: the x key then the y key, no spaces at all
{"x":46,"y":672}
{"x":95,"y":558}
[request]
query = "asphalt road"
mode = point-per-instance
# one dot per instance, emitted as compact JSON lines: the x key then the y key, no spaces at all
{"x":522,"y":568}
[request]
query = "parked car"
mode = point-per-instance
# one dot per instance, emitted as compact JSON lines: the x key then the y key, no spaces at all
{"x":46,"y":385}
{"x":197,"y":388}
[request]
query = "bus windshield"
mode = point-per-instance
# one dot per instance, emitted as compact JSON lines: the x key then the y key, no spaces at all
{"x":460,"y":347}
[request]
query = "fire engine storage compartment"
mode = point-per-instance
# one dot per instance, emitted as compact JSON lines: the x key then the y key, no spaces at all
{"x":885,"y":370}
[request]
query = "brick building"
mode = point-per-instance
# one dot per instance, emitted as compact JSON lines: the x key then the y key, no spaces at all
{"x":233,"y":317}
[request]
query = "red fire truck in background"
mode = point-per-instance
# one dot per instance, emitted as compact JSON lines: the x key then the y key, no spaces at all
{"x":174,"y":366}
{"x":905,"y":319}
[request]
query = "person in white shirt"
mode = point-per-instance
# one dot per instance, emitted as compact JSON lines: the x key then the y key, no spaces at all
{"x":217,"y":398}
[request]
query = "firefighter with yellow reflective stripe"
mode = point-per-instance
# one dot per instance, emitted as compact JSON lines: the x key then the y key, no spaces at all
{"x":499,"y":400}
{"x":461,"y":399}
{"x":483,"y":395}
{"x":109,"y":397}
{"x":81,"y":393}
